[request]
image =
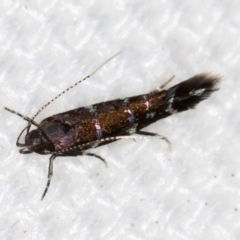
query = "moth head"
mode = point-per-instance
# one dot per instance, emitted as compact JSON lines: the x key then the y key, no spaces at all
{"x":35,"y":141}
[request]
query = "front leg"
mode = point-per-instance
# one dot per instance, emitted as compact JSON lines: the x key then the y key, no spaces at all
{"x":50,"y":174}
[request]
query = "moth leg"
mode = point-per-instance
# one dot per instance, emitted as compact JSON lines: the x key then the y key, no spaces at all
{"x":50,"y":174}
{"x":167,"y":82}
{"x":97,"y":156}
{"x":155,"y":135}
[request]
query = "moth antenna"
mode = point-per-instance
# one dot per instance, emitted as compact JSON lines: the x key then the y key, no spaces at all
{"x":22,"y":116}
{"x":74,"y":85}
{"x":29,"y":120}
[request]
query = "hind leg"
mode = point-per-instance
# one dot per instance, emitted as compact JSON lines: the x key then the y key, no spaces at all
{"x":155,"y":135}
{"x":167,"y":82}
{"x":97,"y":156}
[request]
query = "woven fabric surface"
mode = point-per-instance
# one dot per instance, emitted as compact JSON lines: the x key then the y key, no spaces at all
{"x":147,"y":191}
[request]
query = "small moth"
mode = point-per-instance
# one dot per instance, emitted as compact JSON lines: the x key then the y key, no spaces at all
{"x":74,"y":132}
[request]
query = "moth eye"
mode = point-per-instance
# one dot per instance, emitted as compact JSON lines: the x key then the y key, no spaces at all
{"x":32,"y":137}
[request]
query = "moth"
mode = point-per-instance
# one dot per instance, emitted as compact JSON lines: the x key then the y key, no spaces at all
{"x":74,"y":132}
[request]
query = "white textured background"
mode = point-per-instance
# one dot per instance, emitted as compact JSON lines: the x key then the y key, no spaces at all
{"x":192,"y":192}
